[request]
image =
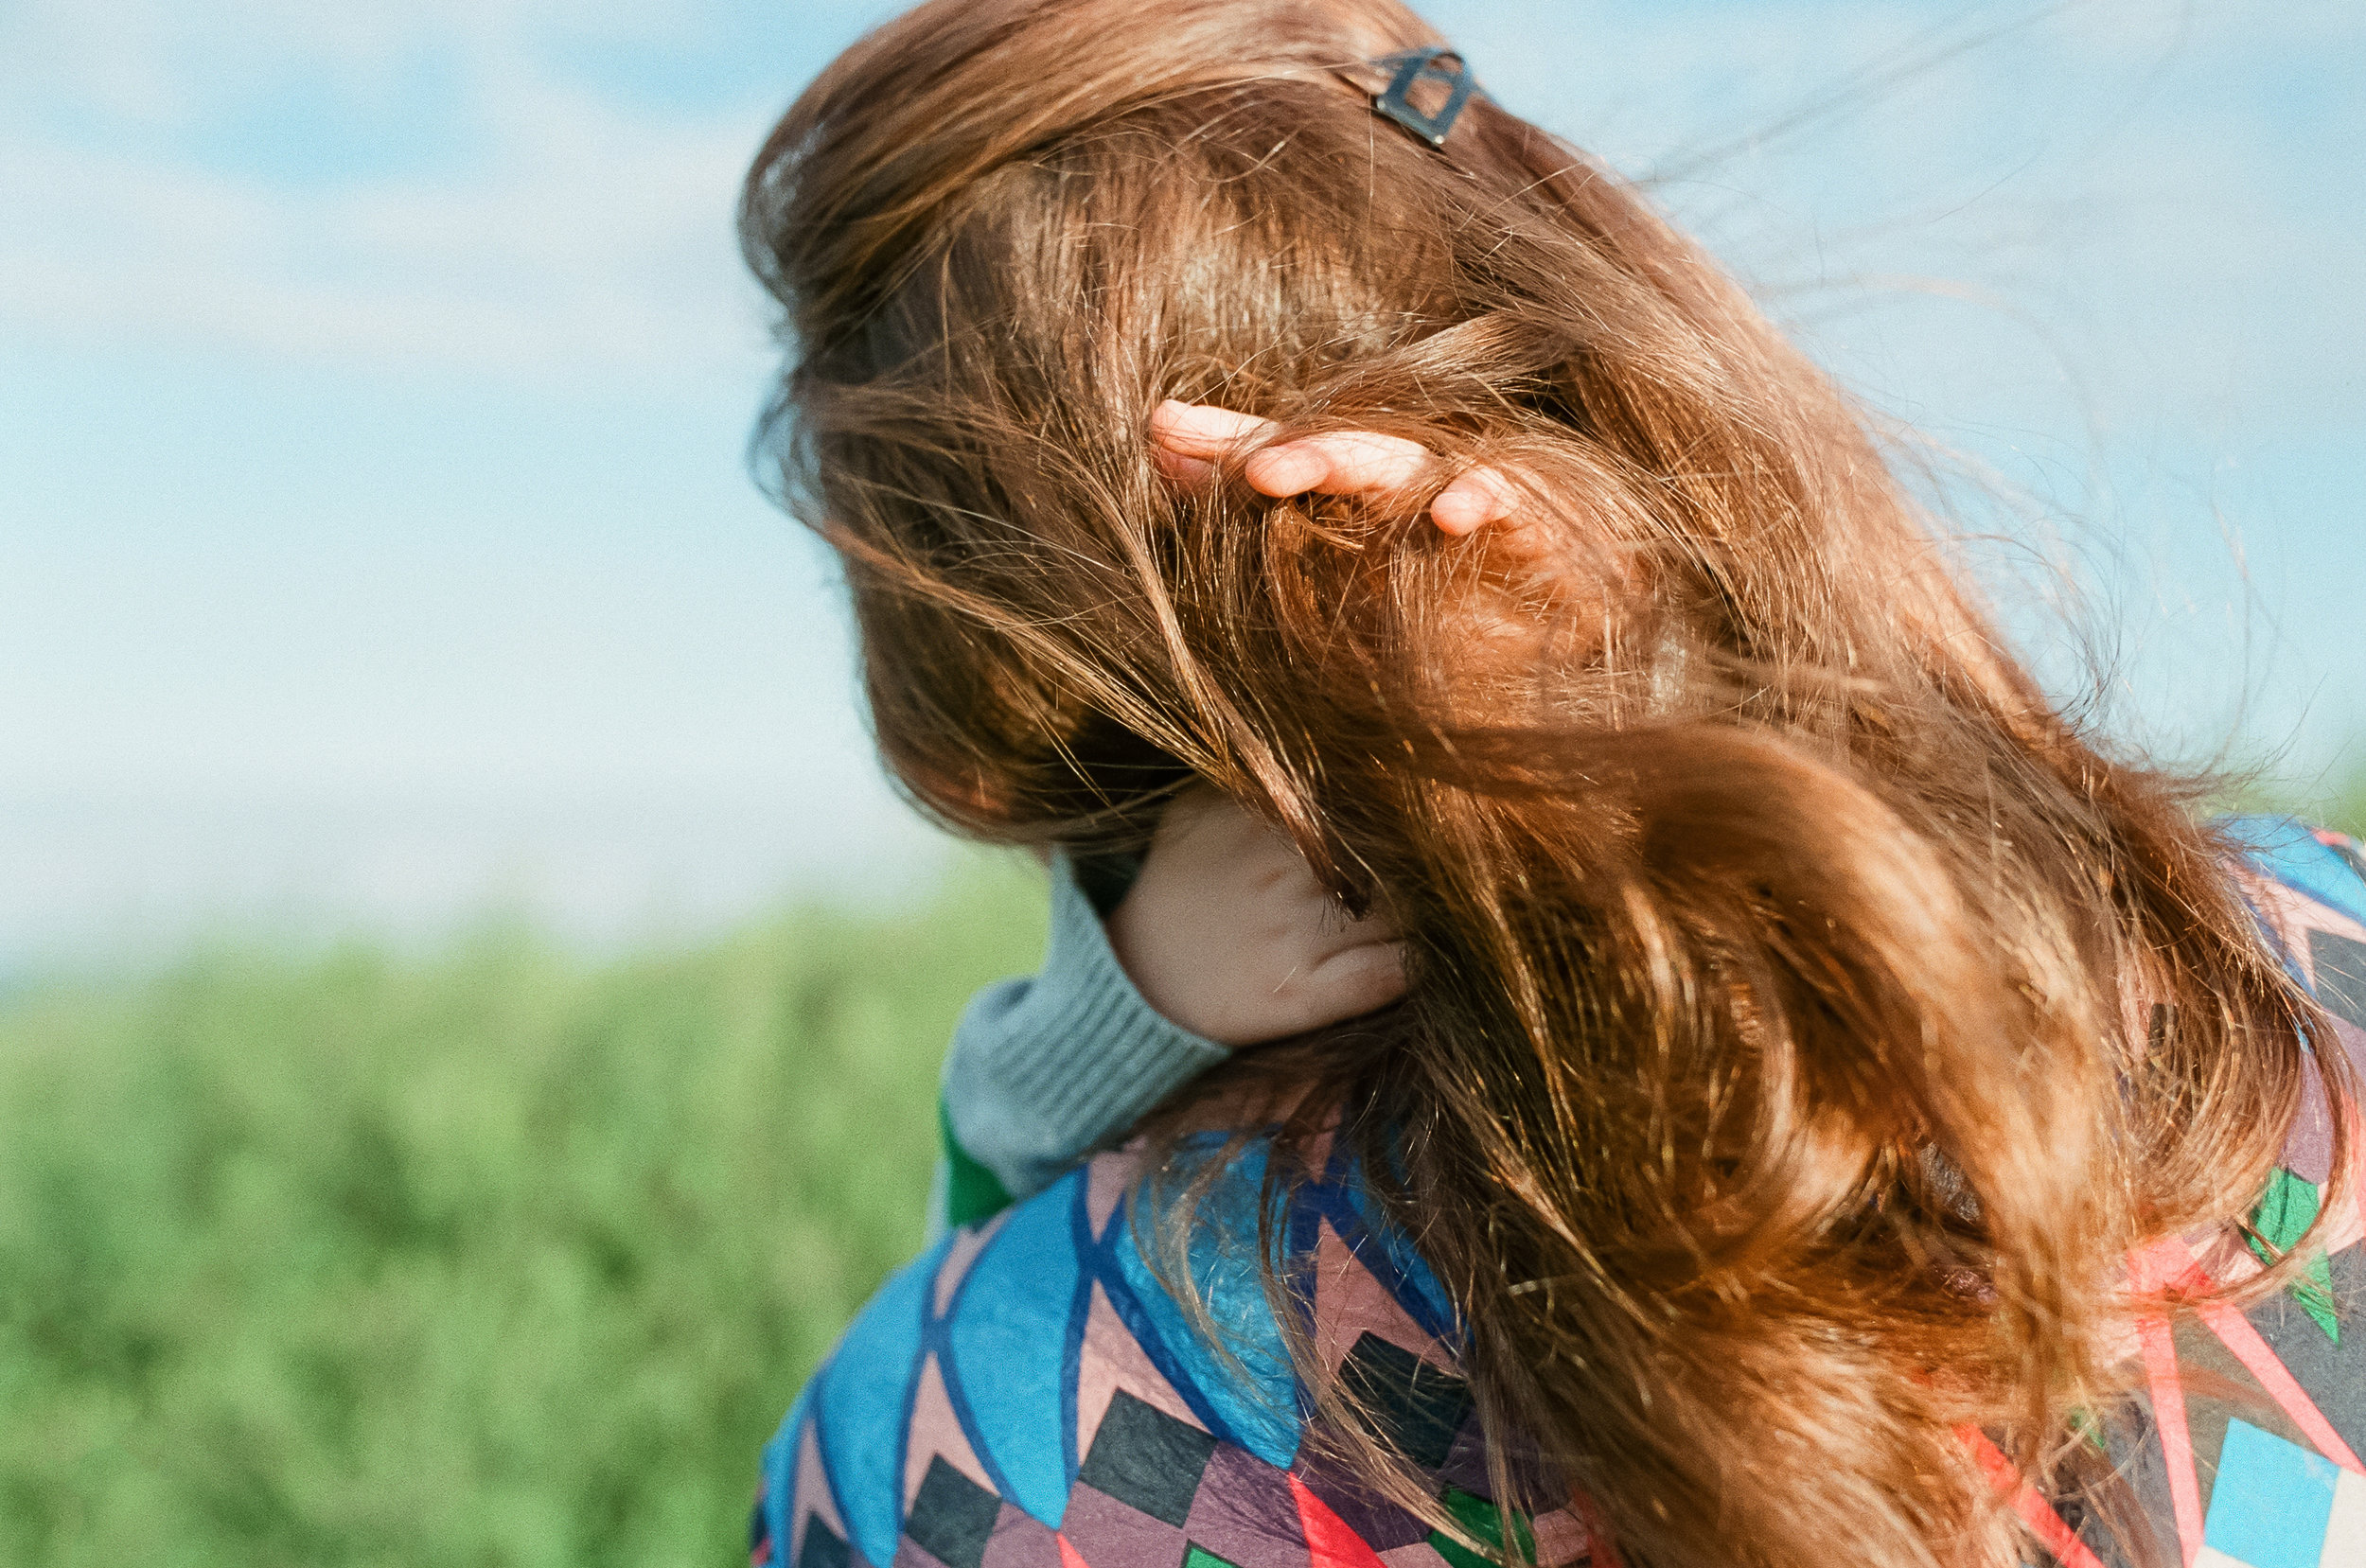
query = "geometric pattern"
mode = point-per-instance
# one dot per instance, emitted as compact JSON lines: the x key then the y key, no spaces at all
{"x":1030,"y":1393}
{"x":1417,"y":1408}
{"x":2247,"y":1453}
{"x":2279,"y":1506}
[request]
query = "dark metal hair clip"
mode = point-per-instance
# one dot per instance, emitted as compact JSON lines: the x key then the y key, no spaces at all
{"x":1413,"y":67}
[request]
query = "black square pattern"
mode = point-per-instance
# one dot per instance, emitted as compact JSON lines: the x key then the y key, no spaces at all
{"x":1147,"y":1459}
{"x":1416,"y":1409}
{"x":2340,"y":966}
{"x":952,"y":1518}
{"x":823,"y":1547}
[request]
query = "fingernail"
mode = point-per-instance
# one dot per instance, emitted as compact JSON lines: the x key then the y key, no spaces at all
{"x":1187,"y":472}
{"x":1285,"y":471}
{"x":1469,"y":503}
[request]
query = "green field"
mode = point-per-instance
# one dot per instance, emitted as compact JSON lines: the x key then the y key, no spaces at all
{"x":486,"y":1258}
{"x":491,"y":1257}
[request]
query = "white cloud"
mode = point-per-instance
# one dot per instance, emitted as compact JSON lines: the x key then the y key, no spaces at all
{"x":591,"y":238}
{"x":172,"y":59}
{"x":2123,"y":181}
{"x":539,"y":270}
{"x":584,"y":239}
{"x":2106,"y":218}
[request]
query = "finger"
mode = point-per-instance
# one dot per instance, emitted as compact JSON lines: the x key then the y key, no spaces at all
{"x":1201,"y":429}
{"x":1185,"y":473}
{"x":1475,"y":498}
{"x":1343,"y":463}
{"x":1360,"y":980}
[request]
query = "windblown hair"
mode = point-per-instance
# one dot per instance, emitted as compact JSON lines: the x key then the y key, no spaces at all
{"x":1805,"y":1018}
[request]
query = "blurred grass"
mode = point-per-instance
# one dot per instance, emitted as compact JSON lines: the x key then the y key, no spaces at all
{"x":490,"y":1257}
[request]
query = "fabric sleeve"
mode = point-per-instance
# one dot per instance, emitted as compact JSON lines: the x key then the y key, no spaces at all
{"x":1046,"y":1067}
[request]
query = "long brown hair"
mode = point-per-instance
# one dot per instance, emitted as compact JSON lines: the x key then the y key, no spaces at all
{"x":1806,"y":1018}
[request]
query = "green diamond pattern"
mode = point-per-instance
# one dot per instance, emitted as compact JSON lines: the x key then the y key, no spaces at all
{"x":2281,"y":1220}
{"x":1484,"y":1521}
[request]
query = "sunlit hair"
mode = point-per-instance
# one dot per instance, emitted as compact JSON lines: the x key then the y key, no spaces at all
{"x":1805,"y":1017}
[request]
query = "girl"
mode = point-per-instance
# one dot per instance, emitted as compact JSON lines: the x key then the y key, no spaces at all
{"x":1834,"y":1105}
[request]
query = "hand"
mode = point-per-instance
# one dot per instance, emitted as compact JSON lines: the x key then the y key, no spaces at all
{"x":1226,"y":932}
{"x":1191,"y":437}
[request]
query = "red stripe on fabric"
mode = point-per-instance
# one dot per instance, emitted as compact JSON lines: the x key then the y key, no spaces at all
{"x":2235,"y":1330}
{"x":2338,"y":1228}
{"x":2176,"y":1438}
{"x":2263,"y":1363}
{"x":2154,"y":1269}
{"x":2029,"y":1503}
{"x":1600,"y":1552}
{"x":1070,"y":1556}
{"x":1330,"y":1541}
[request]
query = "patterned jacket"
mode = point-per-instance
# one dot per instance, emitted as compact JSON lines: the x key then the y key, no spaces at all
{"x":1027,"y":1394}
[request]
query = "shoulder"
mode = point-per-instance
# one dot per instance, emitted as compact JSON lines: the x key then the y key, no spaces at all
{"x":1032,"y":1385}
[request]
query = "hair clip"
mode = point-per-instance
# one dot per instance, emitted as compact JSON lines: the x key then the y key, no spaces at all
{"x":1413,"y":67}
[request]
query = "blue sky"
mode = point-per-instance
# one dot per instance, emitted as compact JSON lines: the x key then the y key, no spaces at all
{"x":374,"y":378}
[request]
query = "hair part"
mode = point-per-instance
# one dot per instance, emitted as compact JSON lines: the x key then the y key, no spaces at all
{"x":1805,"y":1018}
